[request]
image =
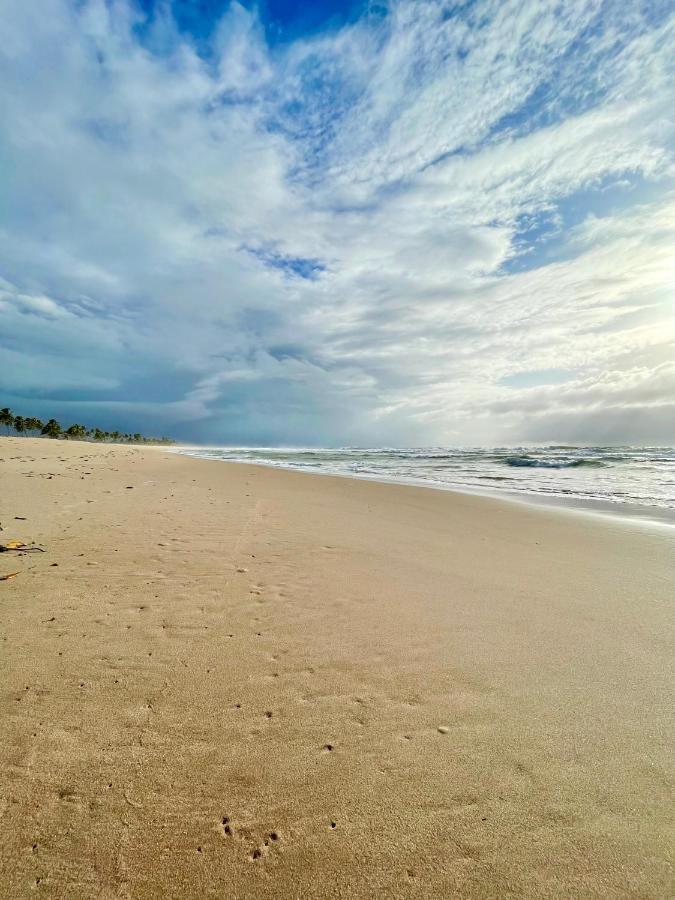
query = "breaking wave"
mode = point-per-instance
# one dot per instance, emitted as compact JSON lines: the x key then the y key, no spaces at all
{"x":641,"y":476}
{"x":532,"y":462}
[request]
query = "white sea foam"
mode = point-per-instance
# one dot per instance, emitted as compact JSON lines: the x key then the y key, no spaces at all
{"x":639,"y":477}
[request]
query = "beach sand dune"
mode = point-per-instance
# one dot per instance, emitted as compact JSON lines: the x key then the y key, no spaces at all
{"x":229,"y":681}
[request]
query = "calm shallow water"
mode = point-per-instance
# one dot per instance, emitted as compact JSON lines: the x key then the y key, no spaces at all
{"x":624,"y":479}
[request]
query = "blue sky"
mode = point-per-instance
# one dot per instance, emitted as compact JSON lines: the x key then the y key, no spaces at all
{"x":282,"y":20}
{"x":340,"y":223}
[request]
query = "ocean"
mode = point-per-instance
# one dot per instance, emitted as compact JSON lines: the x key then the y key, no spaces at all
{"x":629,"y":480}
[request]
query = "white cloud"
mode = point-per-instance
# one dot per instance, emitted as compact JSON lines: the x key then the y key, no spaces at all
{"x":158,"y":206}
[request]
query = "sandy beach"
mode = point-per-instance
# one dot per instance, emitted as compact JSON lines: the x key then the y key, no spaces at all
{"x":223,"y":680}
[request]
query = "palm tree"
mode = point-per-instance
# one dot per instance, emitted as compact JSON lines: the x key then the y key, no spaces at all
{"x":76,"y":431}
{"x":6,"y":417}
{"x":52,"y":429}
{"x":33,"y":424}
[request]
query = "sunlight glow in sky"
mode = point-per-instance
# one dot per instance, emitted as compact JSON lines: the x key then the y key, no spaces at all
{"x":390,"y":223}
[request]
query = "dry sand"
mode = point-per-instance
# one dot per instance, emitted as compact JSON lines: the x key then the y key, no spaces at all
{"x":228,"y":681}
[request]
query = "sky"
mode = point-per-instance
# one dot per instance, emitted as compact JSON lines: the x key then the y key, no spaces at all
{"x":340,"y":223}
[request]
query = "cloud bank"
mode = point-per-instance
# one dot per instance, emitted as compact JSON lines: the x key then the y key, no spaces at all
{"x":435,"y":224}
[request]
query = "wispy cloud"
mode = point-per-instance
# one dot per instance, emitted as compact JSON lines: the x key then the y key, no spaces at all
{"x":378,"y":233}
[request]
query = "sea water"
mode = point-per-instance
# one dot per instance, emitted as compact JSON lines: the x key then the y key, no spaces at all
{"x":621,"y":479}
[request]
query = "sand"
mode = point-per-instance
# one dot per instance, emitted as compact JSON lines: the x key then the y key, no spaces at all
{"x":228,"y":681}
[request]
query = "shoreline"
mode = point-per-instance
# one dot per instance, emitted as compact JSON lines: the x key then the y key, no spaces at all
{"x":235,"y":681}
{"x":624,"y":513}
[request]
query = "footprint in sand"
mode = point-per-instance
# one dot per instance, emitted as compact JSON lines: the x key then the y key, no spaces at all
{"x":231,"y":832}
{"x":261,"y":851}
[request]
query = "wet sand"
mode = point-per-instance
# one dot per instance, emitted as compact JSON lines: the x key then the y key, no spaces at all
{"x":228,"y":681}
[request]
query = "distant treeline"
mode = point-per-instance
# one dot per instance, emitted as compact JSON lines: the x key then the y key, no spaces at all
{"x":54,"y":429}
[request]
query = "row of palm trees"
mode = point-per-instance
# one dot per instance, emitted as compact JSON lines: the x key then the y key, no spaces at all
{"x":53,"y":429}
